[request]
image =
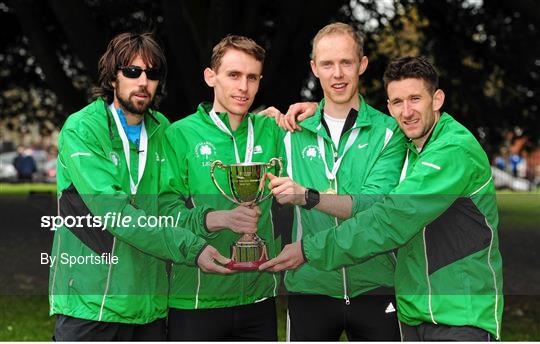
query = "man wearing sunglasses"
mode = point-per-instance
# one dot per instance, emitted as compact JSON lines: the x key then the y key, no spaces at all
{"x":108,"y":277}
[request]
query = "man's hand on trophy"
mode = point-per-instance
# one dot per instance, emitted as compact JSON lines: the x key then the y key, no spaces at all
{"x":286,"y":191}
{"x":297,"y":111}
{"x":208,"y":258}
{"x":243,"y":219}
{"x":290,"y":258}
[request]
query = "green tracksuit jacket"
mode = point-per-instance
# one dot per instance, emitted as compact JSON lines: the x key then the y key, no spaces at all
{"x":370,"y":168}
{"x":443,"y":218}
{"x":93,"y":179}
{"x":190,"y":145}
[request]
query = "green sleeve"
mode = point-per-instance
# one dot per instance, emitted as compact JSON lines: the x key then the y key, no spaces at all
{"x":417,"y":201}
{"x":95,"y":178}
{"x":174,"y":187}
{"x":384,"y":175}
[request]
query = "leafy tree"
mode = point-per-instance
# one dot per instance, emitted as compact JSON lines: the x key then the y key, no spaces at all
{"x":486,"y":52}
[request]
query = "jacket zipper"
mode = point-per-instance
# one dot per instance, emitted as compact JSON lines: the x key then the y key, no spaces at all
{"x":344,"y":274}
{"x":108,"y":282}
{"x":345,"y":293}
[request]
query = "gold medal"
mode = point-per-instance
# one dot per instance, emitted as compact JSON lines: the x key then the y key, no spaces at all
{"x":331,"y":191}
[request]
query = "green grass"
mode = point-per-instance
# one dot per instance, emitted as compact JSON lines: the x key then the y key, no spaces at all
{"x":519,"y":210}
{"x":26,"y":317}
{"x":521,"y":318}
{"x":22,"y":189}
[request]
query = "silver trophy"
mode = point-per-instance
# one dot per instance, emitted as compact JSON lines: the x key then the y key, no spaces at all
{"x":246,"y":184}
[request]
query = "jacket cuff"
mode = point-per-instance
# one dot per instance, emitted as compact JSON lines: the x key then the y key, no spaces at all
{"x":205,"y":215}
{"x":362,"y":202}
{"x":201,"y":230}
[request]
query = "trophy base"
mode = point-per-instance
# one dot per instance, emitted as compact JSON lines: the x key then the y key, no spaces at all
{"x":245,"y":266}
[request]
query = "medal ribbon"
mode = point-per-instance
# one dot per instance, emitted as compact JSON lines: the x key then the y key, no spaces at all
{"x":143,"y":147}
{"x":331,"y":175}
{"x":250,"y":137}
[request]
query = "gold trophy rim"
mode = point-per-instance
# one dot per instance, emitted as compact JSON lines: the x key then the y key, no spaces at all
{"x":246,"y":164}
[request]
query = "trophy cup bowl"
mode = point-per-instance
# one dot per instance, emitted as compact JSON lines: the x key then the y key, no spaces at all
{"x":246,"y":184}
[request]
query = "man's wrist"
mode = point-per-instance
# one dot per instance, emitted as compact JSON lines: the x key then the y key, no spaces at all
{"x":302,"y":197}
{"x":205,"y":220}
{"x":216,"y":220}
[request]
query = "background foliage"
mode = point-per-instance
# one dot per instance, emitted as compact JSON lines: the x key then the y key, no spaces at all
{"x":487,"y":52}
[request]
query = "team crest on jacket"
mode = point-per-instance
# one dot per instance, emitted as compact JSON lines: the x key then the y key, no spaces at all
{"x":310,"y":152}
{"x":115,"y":158}
{"x":205,"y":149}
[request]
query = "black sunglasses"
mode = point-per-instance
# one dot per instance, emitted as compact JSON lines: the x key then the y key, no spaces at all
{"x":133,"y":72}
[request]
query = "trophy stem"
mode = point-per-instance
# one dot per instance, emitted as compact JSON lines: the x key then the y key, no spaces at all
{"x":248,"y":253}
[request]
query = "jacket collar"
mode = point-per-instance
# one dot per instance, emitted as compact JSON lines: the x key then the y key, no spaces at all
{"x":204,"y":108}
{"x":314,"y":123}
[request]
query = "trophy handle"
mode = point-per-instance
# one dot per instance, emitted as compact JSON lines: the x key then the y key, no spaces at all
{"x":272,"y":163}
{"x":219,"y":164}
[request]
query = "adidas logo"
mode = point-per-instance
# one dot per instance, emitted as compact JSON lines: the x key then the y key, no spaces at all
{"x":390,"y":308}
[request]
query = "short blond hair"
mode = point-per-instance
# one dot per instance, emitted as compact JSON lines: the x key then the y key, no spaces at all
{"x":242,"y":43}
{"x":339,"y":28}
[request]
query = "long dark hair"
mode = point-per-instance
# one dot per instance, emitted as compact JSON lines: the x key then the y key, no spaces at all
{"x":122,"y":49}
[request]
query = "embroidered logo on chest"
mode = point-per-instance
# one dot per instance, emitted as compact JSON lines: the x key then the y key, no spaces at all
{"x":310,"y":152}
{"x":204,"y":151}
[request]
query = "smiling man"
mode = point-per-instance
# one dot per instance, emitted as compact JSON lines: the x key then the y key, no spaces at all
{"x":347,"y":148}
{"x":108,"y":163}
{"x":205,"y":306}
{"x":442,"y":218}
